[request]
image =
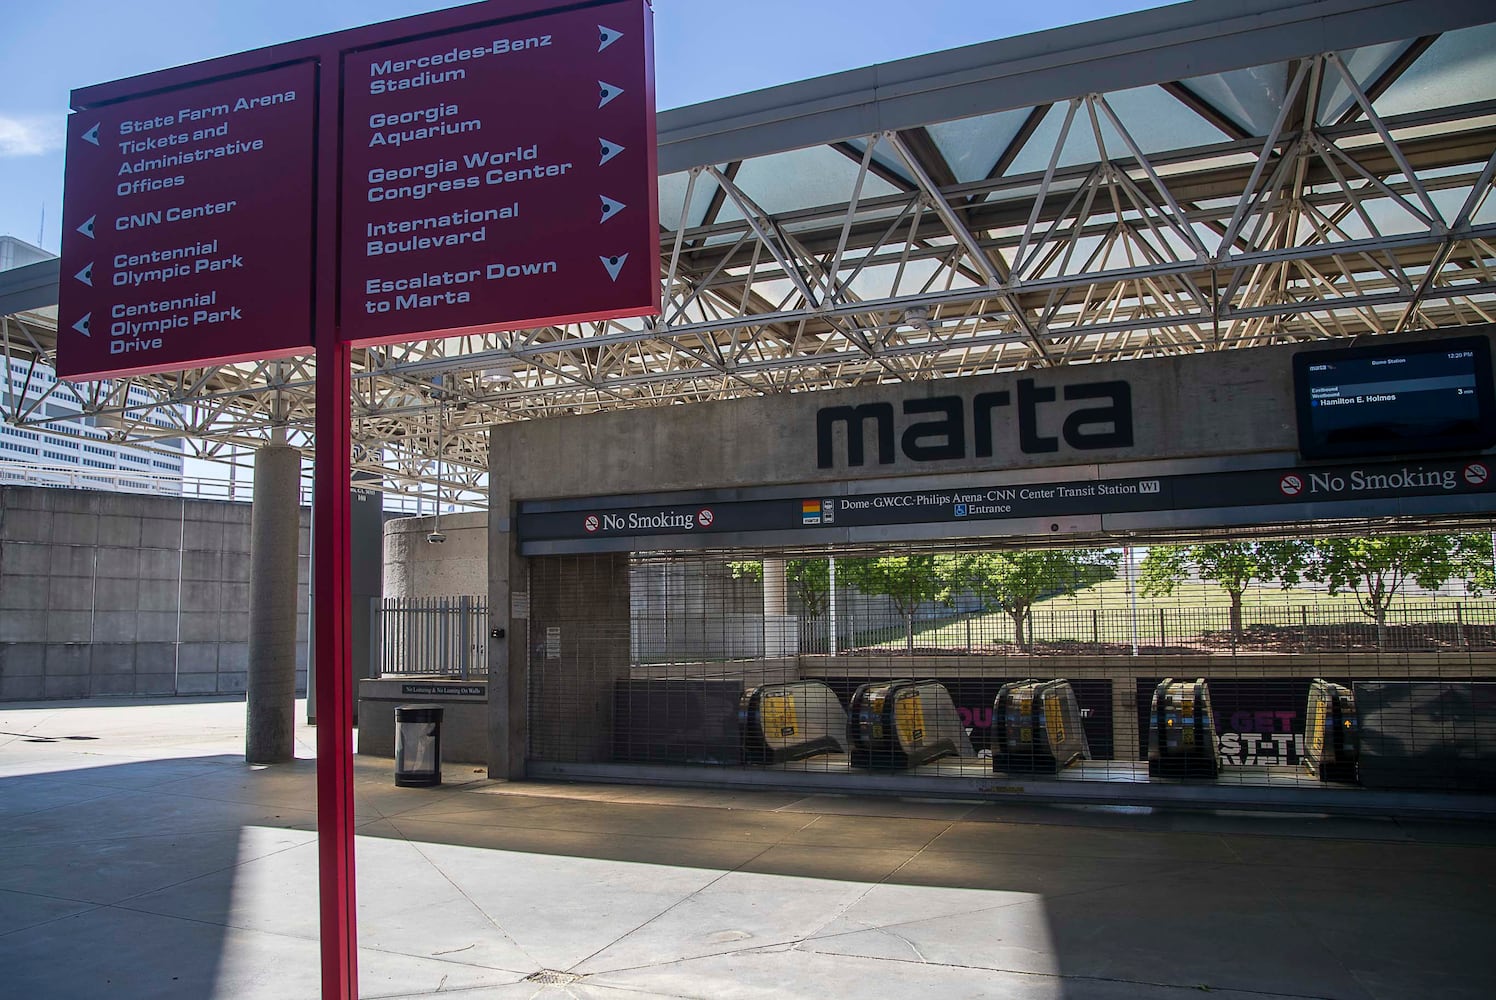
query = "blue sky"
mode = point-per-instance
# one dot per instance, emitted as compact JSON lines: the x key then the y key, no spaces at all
{"x":704,"y":49}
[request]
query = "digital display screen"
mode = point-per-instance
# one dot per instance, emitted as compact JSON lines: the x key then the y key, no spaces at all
{"x":1395,"y":399}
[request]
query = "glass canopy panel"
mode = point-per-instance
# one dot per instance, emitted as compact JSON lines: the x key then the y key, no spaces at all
{"x":1250,"y":97}
{"x":1459,"y":68}
{"x":883,"y":156}
{"x":801,"y":178}
{"x":1366,"y":66}
{"x":1080,"y":145}
{"x":1157,"y":122}
{"x":1485,"y":211}
{"x":673,"y":196}
{"x":971,"y":146}
{"x":1153,"y":119}
{"x":883,"y":281}
{"x":1449,"y":201}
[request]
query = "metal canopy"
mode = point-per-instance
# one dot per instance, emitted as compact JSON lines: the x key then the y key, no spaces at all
{"x":1158,"y":183}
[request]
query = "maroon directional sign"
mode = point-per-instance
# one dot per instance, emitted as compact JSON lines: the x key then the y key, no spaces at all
{"x":187,"y":227}
{"x":485,"y":167}
{"x":500,"y":176}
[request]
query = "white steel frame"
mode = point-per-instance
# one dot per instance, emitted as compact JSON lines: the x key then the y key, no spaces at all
{"x":1313,"y":230}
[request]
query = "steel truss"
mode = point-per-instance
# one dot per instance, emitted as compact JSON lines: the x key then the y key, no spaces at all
{"x":1312,"y":230}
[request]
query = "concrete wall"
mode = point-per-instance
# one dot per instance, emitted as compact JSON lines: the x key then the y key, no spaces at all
{"x":458,"y":567}
{"x":1197,"y":413}
{"x":119,"y":594}
{"x":464,"y":720}
{"x":1220,"y":403}
{"x":1199,"y":406}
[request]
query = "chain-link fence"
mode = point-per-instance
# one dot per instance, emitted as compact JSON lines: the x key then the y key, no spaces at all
{"x":1080,"y":665}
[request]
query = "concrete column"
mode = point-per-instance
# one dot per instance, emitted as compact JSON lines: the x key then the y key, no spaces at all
{"x":274,"y":526}
{"x":775,"y":599}
{"x":509,"y":622}
{"x":780,"y":633}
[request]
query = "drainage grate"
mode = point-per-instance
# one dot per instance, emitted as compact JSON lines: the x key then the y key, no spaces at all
{"x":549,"y":977}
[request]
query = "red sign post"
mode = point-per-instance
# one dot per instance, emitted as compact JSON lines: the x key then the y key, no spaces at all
{"x":488,"y":167}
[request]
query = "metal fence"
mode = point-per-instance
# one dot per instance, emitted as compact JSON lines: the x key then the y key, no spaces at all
{"x":434,"y":636}
{"x":1106,"y":686}
{"x":1440,"y":625}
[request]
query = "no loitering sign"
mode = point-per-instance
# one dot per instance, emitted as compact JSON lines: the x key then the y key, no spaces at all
{"x":492,"y":167}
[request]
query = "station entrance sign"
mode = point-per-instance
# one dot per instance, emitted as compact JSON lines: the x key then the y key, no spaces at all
{"x":187,"y":227}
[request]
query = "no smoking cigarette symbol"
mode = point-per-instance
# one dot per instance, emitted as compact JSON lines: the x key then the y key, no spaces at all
{"x":1291,"y":485}
{"x":592,"y":523}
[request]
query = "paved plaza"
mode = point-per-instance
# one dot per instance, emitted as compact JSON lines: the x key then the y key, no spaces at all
{"x":141,"y":857}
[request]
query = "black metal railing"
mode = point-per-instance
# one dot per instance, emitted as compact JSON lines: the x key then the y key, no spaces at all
{"x":434,"y":636}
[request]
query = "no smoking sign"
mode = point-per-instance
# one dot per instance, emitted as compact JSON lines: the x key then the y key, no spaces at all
{"x":1476,"y":474}
{"x":1291,"y":485}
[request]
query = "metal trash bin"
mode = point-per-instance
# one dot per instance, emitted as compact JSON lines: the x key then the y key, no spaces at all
{"x":418,"y":745}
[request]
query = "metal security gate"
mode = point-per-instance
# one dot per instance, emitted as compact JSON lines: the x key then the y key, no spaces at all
{"x":1226,"y":661}
{"x":434,"y":636}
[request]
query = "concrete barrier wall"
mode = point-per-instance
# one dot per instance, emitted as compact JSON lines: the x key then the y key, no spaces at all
{"x":121,"y":594}
{"x":415,"y":567}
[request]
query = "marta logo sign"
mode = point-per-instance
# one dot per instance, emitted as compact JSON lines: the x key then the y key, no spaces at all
{"x":943,"y":437}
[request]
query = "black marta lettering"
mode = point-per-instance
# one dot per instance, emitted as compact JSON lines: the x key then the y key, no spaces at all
{"x":945,"y":437}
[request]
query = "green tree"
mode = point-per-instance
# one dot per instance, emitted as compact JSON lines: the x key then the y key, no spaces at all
{"x":1233,"y":566}
{"x":808,"y":580}
{"x":1013,"y":582}
{"x":908,"y":581}
{"x":1376,"y":569}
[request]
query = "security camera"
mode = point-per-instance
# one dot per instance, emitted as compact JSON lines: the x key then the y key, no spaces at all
{"x":436,"y":538}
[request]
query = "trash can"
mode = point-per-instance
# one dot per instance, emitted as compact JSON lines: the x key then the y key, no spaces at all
{"x":418,"y":745}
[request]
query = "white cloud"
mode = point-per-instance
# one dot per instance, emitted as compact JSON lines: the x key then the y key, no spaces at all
{"x":30,"y":135}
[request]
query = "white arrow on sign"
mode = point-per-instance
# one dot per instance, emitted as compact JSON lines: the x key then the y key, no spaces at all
{"x":92,"y":135}
{"x":607,"y":92}
{"x":610,"y":208}
{"x":82,"y":325}
{"x":606,"y":37}
{"x":614,"y":264}
{"x":86,"y":275}
{"x":87,"y":229}
{"x":610,"y":150}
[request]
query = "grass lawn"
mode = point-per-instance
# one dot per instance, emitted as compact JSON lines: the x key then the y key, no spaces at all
{"x":1103,"y":613}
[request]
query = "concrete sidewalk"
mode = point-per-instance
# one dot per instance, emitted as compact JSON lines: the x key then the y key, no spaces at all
{"x":140,"y":857}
